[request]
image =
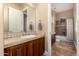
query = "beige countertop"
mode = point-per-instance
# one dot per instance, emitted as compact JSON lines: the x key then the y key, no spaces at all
{"x":18,"y":40}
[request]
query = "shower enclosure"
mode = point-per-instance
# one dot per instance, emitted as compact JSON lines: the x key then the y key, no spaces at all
{"x":64,"y":29}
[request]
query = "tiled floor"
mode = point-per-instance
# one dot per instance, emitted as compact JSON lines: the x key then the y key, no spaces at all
{"x":63,"y":48}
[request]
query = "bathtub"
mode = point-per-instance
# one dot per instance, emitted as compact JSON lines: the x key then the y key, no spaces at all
{"x":59,"y":38}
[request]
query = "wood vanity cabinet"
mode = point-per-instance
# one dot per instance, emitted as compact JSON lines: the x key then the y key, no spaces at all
{"x":24,"y":49}
{"x":38,"y":47}
{"x":28,"y":49}
{"x":16,"y":50}
{"x":31,"y":48}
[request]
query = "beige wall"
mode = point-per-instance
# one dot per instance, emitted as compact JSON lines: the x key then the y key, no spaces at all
{"x":77,"y":27}
{"x":14,"y":5}
{"x":68,"y":13}
{"x":31,"y":18}
{"x":42,"y":14}
{"x":75,"y":16}
{"x":1,"y":30}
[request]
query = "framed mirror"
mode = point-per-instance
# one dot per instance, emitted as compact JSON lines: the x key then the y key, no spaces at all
{"x":18,"y":17}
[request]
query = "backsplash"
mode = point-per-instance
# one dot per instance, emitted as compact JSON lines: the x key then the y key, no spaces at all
{"x":12,"y":35}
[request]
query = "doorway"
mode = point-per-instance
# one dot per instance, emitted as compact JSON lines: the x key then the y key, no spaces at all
{"x":62,"y":29}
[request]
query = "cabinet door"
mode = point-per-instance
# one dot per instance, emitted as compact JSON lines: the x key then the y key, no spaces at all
{"x":24,"y":49}
{"x":28,"y":49}
{"x":7,"y":52}
{"x":41,"y":46}
{"x":35,"y":48}
{"x":17,"y":50}
{"x":38,"y":47}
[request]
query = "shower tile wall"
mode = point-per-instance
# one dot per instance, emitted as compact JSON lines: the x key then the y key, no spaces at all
{"x":61,"y":27}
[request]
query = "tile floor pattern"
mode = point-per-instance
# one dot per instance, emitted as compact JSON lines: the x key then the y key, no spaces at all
{"x":63,"y":48}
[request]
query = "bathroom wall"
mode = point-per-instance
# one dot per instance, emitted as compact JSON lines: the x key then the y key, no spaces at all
{"x":77,"y":27}
{"x":42,"y":14}
{"x":75,"y":17}
{"x":68,"y":13}
{"x":31,"y":18}
{"x":1,"y":30}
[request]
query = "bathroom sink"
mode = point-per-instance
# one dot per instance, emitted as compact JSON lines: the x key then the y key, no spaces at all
{"x":28,"y":36}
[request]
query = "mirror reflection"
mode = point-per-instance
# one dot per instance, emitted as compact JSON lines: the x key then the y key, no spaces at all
{"x":19,"y":18}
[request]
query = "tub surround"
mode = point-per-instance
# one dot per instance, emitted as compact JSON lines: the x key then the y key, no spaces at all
{"x":18,"y":40}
